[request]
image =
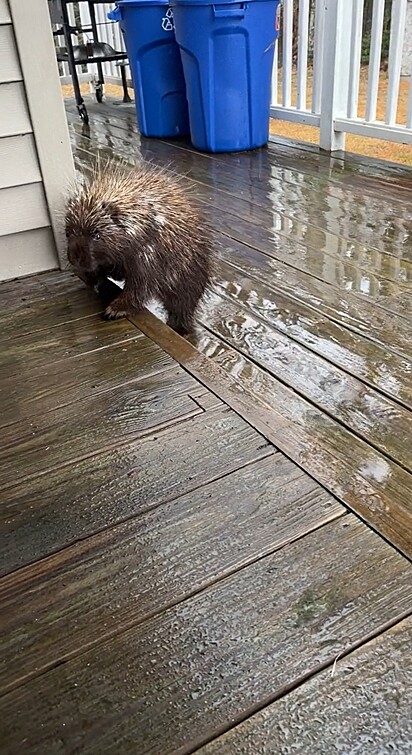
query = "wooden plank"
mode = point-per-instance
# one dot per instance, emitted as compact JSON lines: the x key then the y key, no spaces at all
{"x":47,"y":513}
{"x":356,"y":355}
{"x":59,"y":384}
{"x":9,"y":61}
{"x":372,"y":278}
{"x":34,"y":304}
{"x":366,"y":702}
{"x":24,"y":254}
{"x":23,"y":208}
{"x":374,"y":487}
{"x":291,"y":201}
{"x":188,"y":544}
{"x":14,"y":116}
{"x":37,"y":287}
{"x":251,"y":330}
{"x":18,"y":159}
{"x":380,"y":178}
{"x":104,"y":421}
{"x":168,"y":684}
{"x":39,"y":352}
{"x":369,"y":318}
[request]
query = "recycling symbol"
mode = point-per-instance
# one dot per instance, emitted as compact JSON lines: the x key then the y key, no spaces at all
{"x":167,"y":21}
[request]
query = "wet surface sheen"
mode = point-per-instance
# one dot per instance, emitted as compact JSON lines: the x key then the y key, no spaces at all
{"x":193,"y":534}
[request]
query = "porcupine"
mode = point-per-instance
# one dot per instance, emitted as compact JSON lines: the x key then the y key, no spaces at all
{"x":139,"y":225}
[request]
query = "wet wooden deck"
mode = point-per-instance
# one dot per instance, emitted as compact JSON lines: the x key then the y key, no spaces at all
{"x":205,"y":547}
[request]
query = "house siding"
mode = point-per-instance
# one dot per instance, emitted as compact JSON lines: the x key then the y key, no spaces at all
{"x":30,"y":232}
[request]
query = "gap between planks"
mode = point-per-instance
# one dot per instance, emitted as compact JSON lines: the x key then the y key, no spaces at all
{"x":266,"y":420}
{"x":127,"y":625}
{"x":112,"y":446}
{"x":299,"y":682}
{"x":355,"y":297}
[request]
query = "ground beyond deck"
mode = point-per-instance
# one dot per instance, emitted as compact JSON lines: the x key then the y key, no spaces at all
{"x":205,"y":547}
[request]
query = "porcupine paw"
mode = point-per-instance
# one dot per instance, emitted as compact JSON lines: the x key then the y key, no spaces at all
{"x":113,"y":313}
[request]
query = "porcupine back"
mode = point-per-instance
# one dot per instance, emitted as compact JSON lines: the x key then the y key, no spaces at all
{"x":150,"y":208}
{"x":142,"y":227}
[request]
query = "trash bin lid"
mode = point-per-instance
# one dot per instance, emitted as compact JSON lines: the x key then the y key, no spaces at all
{"x":214,"y":2}
{"x":136,"y":3}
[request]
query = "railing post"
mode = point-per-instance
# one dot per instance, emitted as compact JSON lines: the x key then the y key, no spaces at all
{"x":338,"y":16}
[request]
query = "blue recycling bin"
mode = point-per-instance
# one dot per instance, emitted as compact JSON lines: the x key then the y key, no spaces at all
{"x":154,"y":57}
{"x":227,"y":52}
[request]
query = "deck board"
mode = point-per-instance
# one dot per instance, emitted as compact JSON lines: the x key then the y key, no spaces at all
{"x":42,"y":442}
{"x":377,"y":419}
{"x":52,"y":511}
{"x":197,"y":536}
{"x":58,"y":384}
{"x":39,"y":349}
{"x":121,"y":576}
{"x":324,"y":251}
{"x":29,"y":305}
{"x":369,"y":313}
{"x":312,"y":288}
{"x":203,"y":663}
{"x":303,"y":205}
{"x":368,"y":483}
{"x":371,"y":694}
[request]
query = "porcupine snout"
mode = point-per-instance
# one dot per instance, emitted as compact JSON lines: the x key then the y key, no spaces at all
{"x":79,"y":253}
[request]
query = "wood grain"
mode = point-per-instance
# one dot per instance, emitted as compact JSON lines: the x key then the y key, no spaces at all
{"x":375,"y":418}
{"x":95,"y":423}
{"x":373,"y":486}
{"x":365,"y":703}
{"x":44,"y":514}
{"x":39,"y":302}
{"x":129,"y":572}
{"x":61,"y":383}
{"x":166,"y":685}
{"x":43,"y":348}
{"x":372,"y":363}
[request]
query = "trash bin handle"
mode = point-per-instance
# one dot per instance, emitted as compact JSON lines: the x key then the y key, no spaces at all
{"x":115,"y":14}
{"x":229,"y":12}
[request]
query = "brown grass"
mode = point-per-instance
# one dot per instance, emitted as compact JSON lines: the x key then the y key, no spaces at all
{"x":400,"y":153}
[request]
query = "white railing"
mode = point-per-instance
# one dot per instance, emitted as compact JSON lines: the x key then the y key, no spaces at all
{"x":332,"y":31}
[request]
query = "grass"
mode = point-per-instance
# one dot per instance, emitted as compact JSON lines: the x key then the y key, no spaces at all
{"x":378,"y":148}
{"x":400,"y":153}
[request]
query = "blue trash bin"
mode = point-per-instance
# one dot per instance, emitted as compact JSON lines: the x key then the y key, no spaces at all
{"x":227,"y":52}
{"x":154,"y":57}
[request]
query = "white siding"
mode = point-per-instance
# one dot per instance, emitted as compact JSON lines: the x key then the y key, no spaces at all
{"x":9,"y":62}
{"x":14,"y":114}
{"x":4,"y":12}
{"x":34,"y":143}
{"x":27,"y":253}
{"x":22,"y":208}
{"x":18,"y":160}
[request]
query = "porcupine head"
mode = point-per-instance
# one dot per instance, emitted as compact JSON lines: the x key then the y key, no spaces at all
{"x":97,"y":220}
